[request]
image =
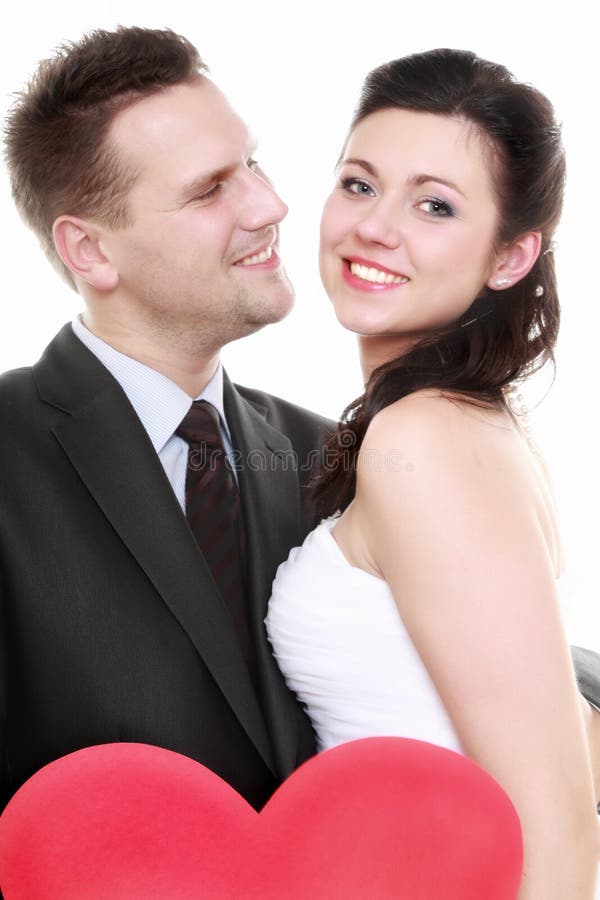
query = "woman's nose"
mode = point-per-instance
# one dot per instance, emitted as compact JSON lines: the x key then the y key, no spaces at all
{"x":381,"y":225}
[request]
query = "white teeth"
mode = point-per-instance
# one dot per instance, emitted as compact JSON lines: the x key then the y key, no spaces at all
{"x":375,"y":275}
{"x":257,"y":258}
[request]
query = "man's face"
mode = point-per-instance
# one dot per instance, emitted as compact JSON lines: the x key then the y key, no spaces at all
{"x":198,"y":262}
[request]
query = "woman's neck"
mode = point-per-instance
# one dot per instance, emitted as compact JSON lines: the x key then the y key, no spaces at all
{"x":375,"y":350}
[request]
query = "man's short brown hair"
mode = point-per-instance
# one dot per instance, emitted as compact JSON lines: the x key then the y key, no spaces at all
{"x":56,"y":150}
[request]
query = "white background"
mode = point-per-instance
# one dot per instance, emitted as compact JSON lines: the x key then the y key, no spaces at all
{"x":294,"y":71}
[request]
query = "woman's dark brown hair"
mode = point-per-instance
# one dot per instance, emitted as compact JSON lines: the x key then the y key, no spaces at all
{"x":502,"y":337}
{"x":58,"y":156}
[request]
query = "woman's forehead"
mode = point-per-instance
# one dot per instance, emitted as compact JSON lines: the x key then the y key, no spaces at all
{"x":407,"y":142}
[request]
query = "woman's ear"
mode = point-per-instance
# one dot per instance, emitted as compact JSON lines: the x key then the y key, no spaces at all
{"x":78,"y":243}
{"x":516,"y":261}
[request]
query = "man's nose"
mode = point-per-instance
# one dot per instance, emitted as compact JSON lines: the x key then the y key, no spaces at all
{"x":263,"y":205}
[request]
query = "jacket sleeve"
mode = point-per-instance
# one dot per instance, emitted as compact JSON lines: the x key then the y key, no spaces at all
{"x":587,"y":669}
{"x":4,"y":780}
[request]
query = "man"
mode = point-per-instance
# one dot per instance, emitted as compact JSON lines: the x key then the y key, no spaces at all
{"x":121,"y":620}
{"x":139,"y":179}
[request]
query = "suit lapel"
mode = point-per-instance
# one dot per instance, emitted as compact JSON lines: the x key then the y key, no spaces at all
{"x":268,"y":479}
{"x":112,"y":454}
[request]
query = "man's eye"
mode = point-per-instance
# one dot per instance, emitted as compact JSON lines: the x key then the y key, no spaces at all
{"x":357,"y":186}
{"x":208,"y":194}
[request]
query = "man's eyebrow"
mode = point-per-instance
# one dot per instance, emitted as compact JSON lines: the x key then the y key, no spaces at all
{"x":199,"y":183}
{"x":413,"y":181}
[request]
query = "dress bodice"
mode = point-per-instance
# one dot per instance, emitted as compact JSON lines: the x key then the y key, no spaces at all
{"x":341,"y":644}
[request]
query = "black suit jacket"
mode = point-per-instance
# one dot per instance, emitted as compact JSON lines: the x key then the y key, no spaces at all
{"x":111,"y":627}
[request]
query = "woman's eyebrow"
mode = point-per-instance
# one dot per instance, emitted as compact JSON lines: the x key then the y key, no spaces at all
{"x":363,"y":163}
{"x":423,"y":177}
{"x":413,"y":181}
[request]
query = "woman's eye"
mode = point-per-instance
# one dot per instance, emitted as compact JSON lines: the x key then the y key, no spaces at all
{"x":357,"y":186}
{"x":439,"y":209}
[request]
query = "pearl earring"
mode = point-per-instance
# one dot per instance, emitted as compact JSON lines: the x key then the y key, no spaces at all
{"x":502,"y":282}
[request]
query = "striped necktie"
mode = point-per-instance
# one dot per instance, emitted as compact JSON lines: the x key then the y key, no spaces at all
{"x":213,"y":511}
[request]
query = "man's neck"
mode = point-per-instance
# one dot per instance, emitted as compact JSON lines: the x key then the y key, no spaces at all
{"x":190,"y":372}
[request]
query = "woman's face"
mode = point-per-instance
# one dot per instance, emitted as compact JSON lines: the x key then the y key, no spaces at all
{"x":407,"y":236}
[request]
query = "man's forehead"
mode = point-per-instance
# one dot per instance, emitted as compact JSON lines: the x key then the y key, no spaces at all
{"x":191,"y":126}
{"x":180,"y":107}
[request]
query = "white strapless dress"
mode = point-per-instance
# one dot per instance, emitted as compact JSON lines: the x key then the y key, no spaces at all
{"x":339,"y":640}
{"x":341,"y":644}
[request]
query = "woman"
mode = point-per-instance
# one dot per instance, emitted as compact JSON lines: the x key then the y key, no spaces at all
{"x":428,"y":608}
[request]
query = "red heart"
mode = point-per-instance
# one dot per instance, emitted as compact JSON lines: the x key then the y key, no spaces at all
{"x":375,"y":818}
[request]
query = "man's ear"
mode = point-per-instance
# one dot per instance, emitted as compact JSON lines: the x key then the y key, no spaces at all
{"x":78,"y":243}
{"x":515,"y":261}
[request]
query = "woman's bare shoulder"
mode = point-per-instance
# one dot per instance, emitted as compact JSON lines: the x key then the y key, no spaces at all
{"x":439,"y":422}
{"x":433,"y":451}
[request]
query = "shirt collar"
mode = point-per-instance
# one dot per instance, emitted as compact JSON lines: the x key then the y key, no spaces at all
{"x":159,"y":403}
